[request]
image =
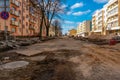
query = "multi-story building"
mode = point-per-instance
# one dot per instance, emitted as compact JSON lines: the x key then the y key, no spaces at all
{"x":84,"y":28}
{"x":94,"y":22}
{"x":107,"y":20}
{"x":72,"y":32}
{"x":24,"y":18}
{"x":113,"y":17}
{"x":98,"y":21}
{"x":79,"y":28}
{"x":12,"y":24}
{"x":52,"y":31}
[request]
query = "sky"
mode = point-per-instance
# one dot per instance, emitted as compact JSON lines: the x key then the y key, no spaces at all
{"x":78,"y":11}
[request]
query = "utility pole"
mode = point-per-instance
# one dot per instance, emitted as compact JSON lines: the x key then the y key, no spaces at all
{"x":6,"y":28}
{"x":22,"y":18}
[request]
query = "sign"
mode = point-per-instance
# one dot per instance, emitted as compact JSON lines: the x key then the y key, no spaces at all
{"x":4,"y":15}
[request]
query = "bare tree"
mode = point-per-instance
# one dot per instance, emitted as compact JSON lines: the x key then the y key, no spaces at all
{"x":41,"y":7}
{"x":49,"y":9}
{"x":57,"y":27}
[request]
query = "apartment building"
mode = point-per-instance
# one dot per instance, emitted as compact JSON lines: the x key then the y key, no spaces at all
{"x":52,"y":31}
{"x":94,"y":22}
{"x":107,"y":20}
{"x":113,"y":17}
{"x":84,"y":28}
{"x":24,"y":18}
{"x":13,"y":8}
{"x":98,"y":21}
{"x":79,"y":28}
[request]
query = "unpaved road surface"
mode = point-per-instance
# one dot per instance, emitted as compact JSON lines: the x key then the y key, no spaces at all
{"x":67,"y":59}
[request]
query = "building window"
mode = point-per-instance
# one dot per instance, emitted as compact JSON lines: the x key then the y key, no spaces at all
{"x":2,"y":3}
{"x":27,"y":8}
{"x":19,"y":12}
{"x":13,"y":19}
{"x":27,"y":31}
{"x":26,"y":16}
{"x":13,"y":8}
{"x":23,"y":26}
{"x":20,"y":30}
{"x":26,"y":24}
{"x":13,"y":30}
{"x":19,"y":21}
{"x":19,"y":3}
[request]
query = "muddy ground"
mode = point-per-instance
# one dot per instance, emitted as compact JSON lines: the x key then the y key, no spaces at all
{"x":89,"y":62}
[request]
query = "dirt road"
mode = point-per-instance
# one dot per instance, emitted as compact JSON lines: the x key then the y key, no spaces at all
{"x":67,"y":59}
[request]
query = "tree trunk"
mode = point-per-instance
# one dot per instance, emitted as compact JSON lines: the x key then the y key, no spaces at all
{"x":47,"y":31}
{"x":55,"y":31}
{"x":41,"y":25}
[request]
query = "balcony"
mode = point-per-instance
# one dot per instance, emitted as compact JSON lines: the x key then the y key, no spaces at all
{"x":16,"y":13}
{"x":14,"y":23}
{"x":113,"y":20}
{"x":113,"y":28}
{"x":112,"y":14}
{"x":15,"y":3}
{"x":112,"y":4}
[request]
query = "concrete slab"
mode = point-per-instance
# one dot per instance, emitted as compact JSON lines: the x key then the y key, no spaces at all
{"x":37,"y":58}
{"x":28,"y":52}
{"x":49,"y":46}
{"x":14,"y":65}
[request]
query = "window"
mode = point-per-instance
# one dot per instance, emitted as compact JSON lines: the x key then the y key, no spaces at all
{"x":20,"y":30}
{"x":26,"y":16}
{"x":19,"y":11}
{"x":23,"y":26}
{"x":13,"y":30}
{"x":13,"y":19}
{"x":19,"y":3}
{"x":27,"y":8}
{"x":2,"y":3}
{"x":13,"y":8}
{"x":1,"y":9}
{"x":19,"y":21}
{"x":26,"y":24}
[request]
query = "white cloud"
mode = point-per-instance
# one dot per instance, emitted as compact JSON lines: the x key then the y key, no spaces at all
{"x":81,"y":13}
{"x":76,"y":5}
{"x":100,"y":1}
{"x":78,"y":23}
{"x":63,"y":6}
{"x":68,"y":22}
{"x":69,"y":12}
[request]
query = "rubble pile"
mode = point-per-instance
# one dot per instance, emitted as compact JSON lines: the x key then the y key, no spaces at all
{"x":17,"y":43}
{"x":99,"y":39}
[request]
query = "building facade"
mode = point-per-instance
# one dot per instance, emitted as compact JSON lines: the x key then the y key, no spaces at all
{"x":107,"y":20}
{"x":79,"y":28}
{"x":98,"y":21}
{"x":113,"y":17}
{"x":84,"y":28}
{"x":24,"y":18}
{"x":72,"y":32}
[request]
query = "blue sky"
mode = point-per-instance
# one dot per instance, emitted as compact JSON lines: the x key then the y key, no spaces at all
{"x":79,"y":10}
